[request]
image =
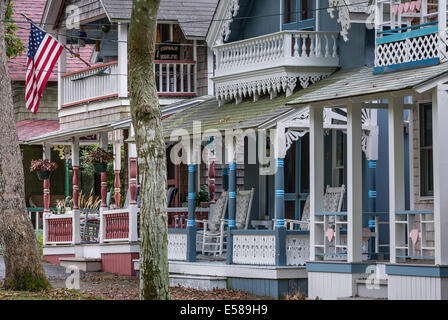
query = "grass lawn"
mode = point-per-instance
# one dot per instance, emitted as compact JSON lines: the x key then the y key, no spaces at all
{"x":52,"y":294}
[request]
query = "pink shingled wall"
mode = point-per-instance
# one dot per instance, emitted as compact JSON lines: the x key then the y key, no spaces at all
{"x":55,"y":258}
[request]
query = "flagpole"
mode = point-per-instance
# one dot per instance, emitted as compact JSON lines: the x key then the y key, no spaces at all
{"x":77,"y":55}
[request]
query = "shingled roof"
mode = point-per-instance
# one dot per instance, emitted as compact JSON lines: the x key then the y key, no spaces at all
{"x":193,"y":16}
{"x":34,"y":10}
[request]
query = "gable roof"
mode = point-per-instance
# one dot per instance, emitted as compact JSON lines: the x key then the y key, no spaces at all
{"x":193,"y":16}
{"x":34,"y":10}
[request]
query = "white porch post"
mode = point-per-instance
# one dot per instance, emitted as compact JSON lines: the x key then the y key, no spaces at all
{"x":354,"y":183}
{"x":442,"y":29}
{"x":396,"y":169}
{"x":62,"y":68}
{"x":316,"y":175}
{"x":122,"y":77}
{"x":440,"y":159}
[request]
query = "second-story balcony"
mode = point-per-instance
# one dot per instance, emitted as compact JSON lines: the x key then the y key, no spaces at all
{"x":409,"y":34}
{"x":273,"y":63}
{"x":100,"y":82}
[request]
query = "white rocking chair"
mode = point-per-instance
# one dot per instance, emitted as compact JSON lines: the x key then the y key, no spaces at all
{"x":212,"y":226}
{"x":333,"y":200}
{"x":214,"y":242}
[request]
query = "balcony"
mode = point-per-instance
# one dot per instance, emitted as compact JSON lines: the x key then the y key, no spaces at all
{"x":100,"y":82}
{"x":274,"y":62}
{"x":409,"y":35}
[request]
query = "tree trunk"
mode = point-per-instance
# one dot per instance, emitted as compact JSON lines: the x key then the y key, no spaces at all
{"x":147,"y":121}
{"x":24,"y":270}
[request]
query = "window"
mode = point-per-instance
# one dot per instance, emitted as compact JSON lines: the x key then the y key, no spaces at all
{"x":298,"y":15}
{"x":290,"y":11}
{"x":426,"y":161}
{"x":306,"y":10}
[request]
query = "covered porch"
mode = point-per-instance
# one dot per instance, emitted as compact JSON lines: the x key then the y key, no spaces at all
{"x":416,"y":268}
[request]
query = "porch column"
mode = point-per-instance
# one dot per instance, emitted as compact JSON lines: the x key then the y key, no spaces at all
{"x":62,"y":68}
{"x":133,"y":173}
{"x":211,"y":181}
{"x":316,"y":178}
{"x":280,"y":228}
{"x":75,"y":166}
{"x":354,"y":183}
{"x":440,"y":158}
{"x":231,"y":160}
{"x":117,"y":168}
{"x":396,"y":170}
{"x":191,"y":225}
{"x":122,"y":60}
{"x":67,"y":173}
{"x":225,"y":177}
{"x":47,"y":155}
{"x":104,"y":144}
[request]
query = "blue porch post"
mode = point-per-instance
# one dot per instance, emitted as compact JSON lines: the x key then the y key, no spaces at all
{"x":371,"y":203}
{"x":191,"y":225}
{"x":232,"y":210}
{"x":225,"y":178}
{"x":280,"y":228}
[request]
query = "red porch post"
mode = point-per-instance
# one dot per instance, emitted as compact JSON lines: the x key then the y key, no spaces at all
{"x":117,"y":188}
{"x":133,"y":180}
{"x":75,"y":165}
{"x":47,"y":155}
{"x":103,"y":189}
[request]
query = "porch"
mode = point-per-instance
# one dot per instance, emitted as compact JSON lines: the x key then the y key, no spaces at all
{"x":417,"y":267}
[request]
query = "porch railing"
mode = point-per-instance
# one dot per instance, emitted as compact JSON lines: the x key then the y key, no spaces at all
{"x":36,"y":216}
{"x":119,"y":225}
{"x":415,"y":234}
{"x":61,"y":229}
{"x":173,"y":77}
{"x":407,"y":47}
{"x":286,"y":48}
{"x":177,"y":217}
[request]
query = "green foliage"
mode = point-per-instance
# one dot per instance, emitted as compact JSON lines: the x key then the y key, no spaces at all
{"x":40,"y":241}
{"x":202,"y":196}
{"x":88,"y":169}
{"x":14,"y":45}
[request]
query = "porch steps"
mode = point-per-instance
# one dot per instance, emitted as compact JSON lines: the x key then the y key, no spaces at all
{"x":199,"y":282}
{"x":368,"y":290}
{"x":83,"y":264}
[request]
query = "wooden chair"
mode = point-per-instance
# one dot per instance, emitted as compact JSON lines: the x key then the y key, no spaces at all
{"x":333,"y":200}
{"x":89,"y":227}
{"x":213,"y":227}
{"x":215,"y":242}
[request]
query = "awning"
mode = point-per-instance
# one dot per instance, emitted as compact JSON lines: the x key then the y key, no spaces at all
{"x":362,"y":83}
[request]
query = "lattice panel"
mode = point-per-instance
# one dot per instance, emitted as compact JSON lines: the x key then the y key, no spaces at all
{"x":408,"y":50}
{"x":297,"y":250}
{"x":177,"y":247}
{"x":254,"y":249}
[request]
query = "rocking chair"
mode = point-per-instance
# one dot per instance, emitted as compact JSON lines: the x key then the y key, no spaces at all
{"x":213,"y":242}
{"x":213,"y":225}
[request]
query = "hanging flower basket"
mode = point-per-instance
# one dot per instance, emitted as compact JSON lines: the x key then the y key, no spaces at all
{"x":100,"y":167}
{"x":44,"y":175}
{"x":43,"y":168}
{"x":99,"y":158}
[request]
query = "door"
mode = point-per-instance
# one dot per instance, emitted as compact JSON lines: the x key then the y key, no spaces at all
{"x":297,"y":178}
{"x":298,"y":15}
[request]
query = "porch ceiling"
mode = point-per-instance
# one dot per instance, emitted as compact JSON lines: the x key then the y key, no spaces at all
{"x":361,"y":82}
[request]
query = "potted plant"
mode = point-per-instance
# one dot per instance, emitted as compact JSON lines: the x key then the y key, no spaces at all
{"x":43,"y":168}
{"x":99,"y":158}
{"x":202,"y":198}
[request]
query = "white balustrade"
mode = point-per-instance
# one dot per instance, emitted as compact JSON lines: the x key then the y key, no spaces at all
{"x":297,"y":248}
{"x":177,"y":246}
{"x":101,"y":81}
{"x":90,"y":84}
{"x":286,"y":48}
{"x":254,"y":249}
{"x":119,"y":225}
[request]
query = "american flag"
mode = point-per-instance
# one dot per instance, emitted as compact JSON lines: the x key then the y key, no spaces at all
{"x":43,"y":53}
